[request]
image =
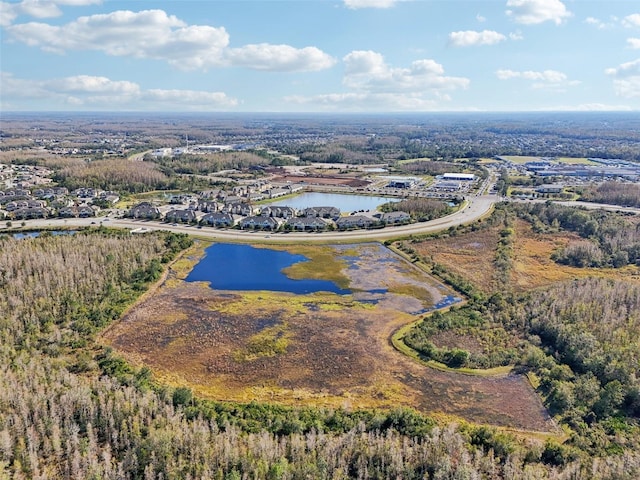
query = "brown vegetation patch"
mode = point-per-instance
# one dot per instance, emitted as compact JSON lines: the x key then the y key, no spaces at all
{"x":335,"y":350}
{"x":534,"y":268}
{"x":472,"y":256}
{"x":469,"y":255}
{"x":323,"y":180}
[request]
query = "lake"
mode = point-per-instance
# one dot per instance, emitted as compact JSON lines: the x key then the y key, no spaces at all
{"x":243,"y":267}
{"x":346,"y":203}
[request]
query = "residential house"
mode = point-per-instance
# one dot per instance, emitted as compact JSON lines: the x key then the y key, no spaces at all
{"x":82,"y":211}
{"x":26,"y":213}
{"x":259,"y":222}
{"x":27,"y":203}
{"x":110,"y":196}
{"x":144,"y":210}
{"x":278,"y":211}
{"x":240,"y":208}
{"x":207,"y":206}
{"x":256,"y":196}
{"x":50,"y":193}
{"x":209,"y":194}
{"x":218,"y":219}
{"x":86,"y":193}
{"x":184,"y":216}
{"x":278,"y":192}
{"x":395,"y":218}
{"x":308,"y":224}
{"x":16,"y":192}
{"x":355,"y":221}
{"x":86,"y":211}
{"x":68,"y":212}
{"x":323,"y":212}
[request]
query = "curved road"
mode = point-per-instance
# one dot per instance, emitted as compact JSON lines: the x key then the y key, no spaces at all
{"x":476,"y":208}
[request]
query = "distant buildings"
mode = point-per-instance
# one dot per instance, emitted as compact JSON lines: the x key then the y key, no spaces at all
{"x":464,"y":177}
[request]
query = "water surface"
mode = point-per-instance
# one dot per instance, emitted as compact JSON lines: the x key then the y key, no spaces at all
{"x":23,"y":235}
{"x":244,"y":267}
{"x":346,"y":203}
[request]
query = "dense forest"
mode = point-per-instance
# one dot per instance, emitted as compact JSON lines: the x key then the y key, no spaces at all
{"x":209,"y":163}
{"x":420,"y":209}
{"x":614,"y":193}
{"x":72,"y":409}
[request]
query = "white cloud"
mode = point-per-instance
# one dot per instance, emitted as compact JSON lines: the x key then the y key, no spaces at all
{"x":356,"y":4}
{"x":187,"y":98}
{"x":481,"y":18}
{"x":155,"y":35}
{"x":471,"y":38}
{"x":590,"y":107}
{"x":633,"y":43}
{"x":627,"y":88}
{"x":628,"y":69}
{"x":626,"y":79}
{"x":282,"y":58}
{"x":367,"y":71}
{"x":92,"y":84}
{"x":375,"y":86}
{"x":93,"y":91}
{"x":530,"y":12}
{"x":369,"y":102}
{"x":631,"y":20}
{"x":8,"y":13}
{"x":599,"y":24}
{"x":546,"y":75}
{"x":37,"y":8}
{"x":516,"y":36}
{"x":547,"y":79}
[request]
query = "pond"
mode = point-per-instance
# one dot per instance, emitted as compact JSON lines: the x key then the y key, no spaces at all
{"x":243,"y":267}
{"x":346,"y":203}
{"x":23,"y":235}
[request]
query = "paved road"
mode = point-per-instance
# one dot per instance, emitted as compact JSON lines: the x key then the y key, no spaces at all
{"x":477,"y":207}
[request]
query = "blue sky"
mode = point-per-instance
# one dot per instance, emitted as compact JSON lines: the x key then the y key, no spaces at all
{"x":320,"y":56}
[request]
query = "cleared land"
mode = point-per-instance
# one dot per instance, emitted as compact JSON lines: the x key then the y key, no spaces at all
{"x":321,"y":349}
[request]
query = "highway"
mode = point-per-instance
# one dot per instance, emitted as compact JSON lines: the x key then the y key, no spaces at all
{"x":475,"y":208}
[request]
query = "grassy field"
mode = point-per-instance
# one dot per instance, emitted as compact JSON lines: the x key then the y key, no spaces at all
{"x":566,"y":160}
{"x":575,"y":161}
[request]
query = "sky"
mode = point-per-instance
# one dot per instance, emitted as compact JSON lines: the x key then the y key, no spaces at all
{"x":343,"y":56}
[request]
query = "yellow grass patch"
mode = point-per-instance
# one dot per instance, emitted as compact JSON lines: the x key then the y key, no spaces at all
{"x":415,"y":291}
{"x":268,"y":342}
{"x":534,"y":268}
